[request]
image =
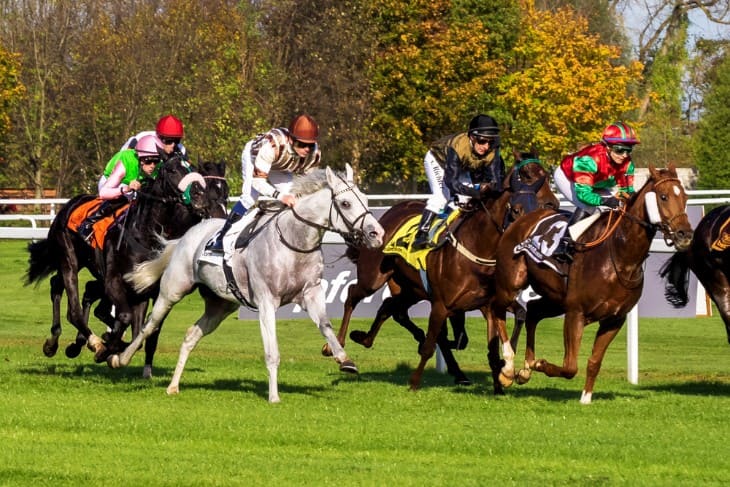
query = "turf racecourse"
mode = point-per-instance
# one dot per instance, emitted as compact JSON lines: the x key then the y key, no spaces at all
{"x":73,"y":422}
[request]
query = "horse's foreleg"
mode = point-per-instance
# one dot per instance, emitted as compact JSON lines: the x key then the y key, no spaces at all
{"x":216,"y":309}
{"x":573,"y":325}
{"x":159,"y":311}
{"x":267,"y":323}
{"x":607,"y":331}
{"x":458,"y":325}
{"x":436,"y":322}
{"x":313,"y":300}
{"x":497,"y":329}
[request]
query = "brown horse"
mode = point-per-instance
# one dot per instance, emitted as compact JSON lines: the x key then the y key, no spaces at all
{"x":457,"y":272}
{"x":709,"y":258}
{"x":604,"y":280}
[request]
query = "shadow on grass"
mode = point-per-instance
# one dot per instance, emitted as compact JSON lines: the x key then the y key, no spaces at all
{"x":694,"y":388}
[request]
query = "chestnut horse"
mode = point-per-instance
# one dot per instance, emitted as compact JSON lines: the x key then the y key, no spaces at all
{"x":604,"y":280}
{"x":457,"y":272}
{"x":709,"y":258}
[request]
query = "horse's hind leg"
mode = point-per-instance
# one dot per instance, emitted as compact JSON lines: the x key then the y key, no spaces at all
{"x":50,"y":347}
{"x":458,"y":325}
{"x":216,"y":309}
{"x":452,"y":366}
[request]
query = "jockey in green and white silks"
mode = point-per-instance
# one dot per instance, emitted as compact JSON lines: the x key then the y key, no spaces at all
{"x":124,"y":174}
{"x":461,"y":166}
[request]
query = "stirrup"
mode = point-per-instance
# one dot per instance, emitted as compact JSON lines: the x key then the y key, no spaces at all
{"x":421,"y":243}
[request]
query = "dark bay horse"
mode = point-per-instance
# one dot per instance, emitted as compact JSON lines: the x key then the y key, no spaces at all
{"x":167,"y":206}
{"x":457,"y":273}
{"x":604,"y":281}
{"x":708,"y":256}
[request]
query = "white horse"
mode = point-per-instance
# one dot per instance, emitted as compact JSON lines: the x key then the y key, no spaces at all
{"x":281,"y":264}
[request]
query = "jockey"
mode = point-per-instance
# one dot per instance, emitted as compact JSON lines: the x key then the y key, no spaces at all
{"x":124,"y":174}
{"x":170,"y":131}
{"x":587,"y":178}
{"x":466,"y":164}
{"x":268,"y":164}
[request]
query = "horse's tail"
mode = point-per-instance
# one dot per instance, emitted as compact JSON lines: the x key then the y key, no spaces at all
{"x":42,"y":262}
{"x":146,"y":274}
{"x":675,"y":272}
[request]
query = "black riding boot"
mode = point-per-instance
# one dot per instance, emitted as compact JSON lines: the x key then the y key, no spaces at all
{"x":216,"y":246}
{"x":86,"y":229}
{"x":566,"y":247}
{"x":422,"y":239}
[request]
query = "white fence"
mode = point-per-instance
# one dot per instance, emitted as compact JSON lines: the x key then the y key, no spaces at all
{"x":38,"y":221}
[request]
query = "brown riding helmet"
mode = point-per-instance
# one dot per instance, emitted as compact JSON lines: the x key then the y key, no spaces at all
{"x":304,"y":128}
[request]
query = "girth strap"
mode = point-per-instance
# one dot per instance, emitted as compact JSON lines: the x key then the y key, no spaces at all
{"x":233,"y":287}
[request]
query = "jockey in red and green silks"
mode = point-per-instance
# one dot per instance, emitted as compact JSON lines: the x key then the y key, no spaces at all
{"x":589,"y":177}
{"x":595,"y":174}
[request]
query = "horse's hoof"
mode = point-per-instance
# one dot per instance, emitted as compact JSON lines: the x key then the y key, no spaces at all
{"x":73,"y":350}
{"x":113,"y":361}
{"x":326,"y":350}
{"x":50,"y":349}
{"x":505,"y":381}
{"x":348,"y":366}
{"x":147,"y":372}
{"x":359,"y":336}
{"x":523,"y":377}
{"x":172,"y":390}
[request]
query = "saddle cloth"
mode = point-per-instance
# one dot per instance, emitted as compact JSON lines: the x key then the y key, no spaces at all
{"x":400,"y":243}
{"x":545,"y":237}
{"x":722,"y":241}
{"x":229,"y":239}
{"x":79,"y":214}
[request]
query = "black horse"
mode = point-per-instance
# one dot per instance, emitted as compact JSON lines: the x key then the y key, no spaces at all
{"x":166,"y":207}
{"x":709,"y":258}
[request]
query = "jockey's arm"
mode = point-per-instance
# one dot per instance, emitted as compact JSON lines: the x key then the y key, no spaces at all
{"x":261,"y":184}
{"x":113,"y":187}
{"x":453,"y":178}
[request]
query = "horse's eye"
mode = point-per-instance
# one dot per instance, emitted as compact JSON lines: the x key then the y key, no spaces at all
{"x":664,"y":197}
{"x":345,"y":204}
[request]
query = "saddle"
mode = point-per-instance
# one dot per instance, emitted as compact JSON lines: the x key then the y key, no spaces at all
{"x":81,"y":212}
{"x":402,"y":240}
{"x":546,"y":235}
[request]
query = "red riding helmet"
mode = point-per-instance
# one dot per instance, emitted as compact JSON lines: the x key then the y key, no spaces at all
{"x":619,"y":133}
{"x":170,"y":126}
{"x":304,"y":128}
{"x":149,"y":145}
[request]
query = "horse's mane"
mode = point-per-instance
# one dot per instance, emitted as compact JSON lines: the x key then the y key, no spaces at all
{"x":309,"y":183}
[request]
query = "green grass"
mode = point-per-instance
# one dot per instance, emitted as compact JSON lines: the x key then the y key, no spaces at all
{"x":74,"y":422}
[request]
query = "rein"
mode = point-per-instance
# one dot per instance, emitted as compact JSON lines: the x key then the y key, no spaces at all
{"x":351,"y":226}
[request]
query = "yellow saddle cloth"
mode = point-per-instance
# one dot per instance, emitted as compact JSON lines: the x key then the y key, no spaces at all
{"x":400,"y":243}
{"x":723,"y":238}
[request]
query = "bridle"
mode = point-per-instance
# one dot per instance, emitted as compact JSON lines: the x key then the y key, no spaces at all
{"x":355,"y":228}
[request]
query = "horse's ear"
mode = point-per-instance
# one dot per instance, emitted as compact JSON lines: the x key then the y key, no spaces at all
{"x":516,"y":154}
{"x":331,"y":180}
{"x":349,"y":173}
{"x":672,"y":167}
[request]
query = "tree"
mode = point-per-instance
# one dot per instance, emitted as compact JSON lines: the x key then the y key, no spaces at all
{"x":11,"y":93}
{"x":434,"y":69}
{"x":712,"y":137}
{"x":564,"y":85}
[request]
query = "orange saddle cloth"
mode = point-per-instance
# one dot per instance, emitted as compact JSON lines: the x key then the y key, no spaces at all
{"x":79,"y":214}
